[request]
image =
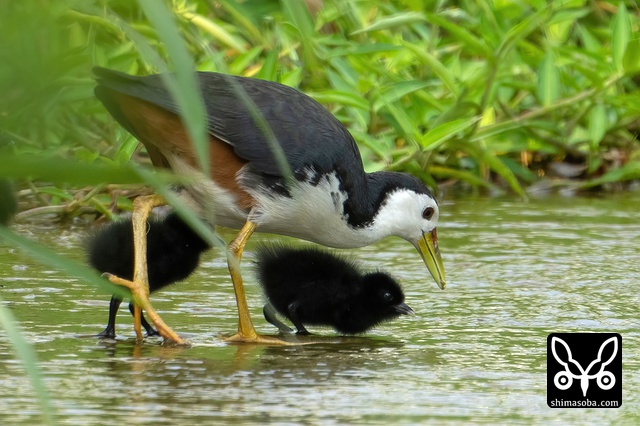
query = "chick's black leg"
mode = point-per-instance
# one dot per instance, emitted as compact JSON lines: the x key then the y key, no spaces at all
{"x":147,"y":327}
{"x":270,"y":315}
{"x":110,"y":331}
{"x":293,"y":316}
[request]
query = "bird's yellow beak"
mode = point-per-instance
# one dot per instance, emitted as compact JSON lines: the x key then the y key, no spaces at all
{"x":428,"y":248}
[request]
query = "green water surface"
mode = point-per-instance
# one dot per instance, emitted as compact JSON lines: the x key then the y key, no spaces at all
{"x":474,"y":353}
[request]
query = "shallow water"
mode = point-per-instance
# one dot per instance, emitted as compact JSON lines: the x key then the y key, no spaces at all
{"x":474,"y":353}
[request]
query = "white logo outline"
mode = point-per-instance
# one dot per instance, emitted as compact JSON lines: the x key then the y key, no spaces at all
{"x":584,"y":375}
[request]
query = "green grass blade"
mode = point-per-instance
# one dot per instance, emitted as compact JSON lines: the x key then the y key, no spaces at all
{"x":398,"y":20}
{"x":184,"y":86}
{"x":50,"y":257}
{"x":27,"y":355}
{"x":61,"y":170}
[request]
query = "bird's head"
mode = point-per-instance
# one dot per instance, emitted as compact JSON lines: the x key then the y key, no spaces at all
{"x":384,"y":295}
{"x":413,"y":214}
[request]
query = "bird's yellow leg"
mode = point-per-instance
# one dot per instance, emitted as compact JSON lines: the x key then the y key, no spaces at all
{"x":139,"y":287}
{"x":137,"y":320}
{"x":246,"y":332}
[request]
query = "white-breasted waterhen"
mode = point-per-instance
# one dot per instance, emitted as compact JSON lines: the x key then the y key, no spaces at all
{"x":331,"y":201}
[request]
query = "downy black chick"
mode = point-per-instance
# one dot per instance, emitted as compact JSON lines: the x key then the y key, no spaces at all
{"x":309,"y":286}
{"x":173,"y":253}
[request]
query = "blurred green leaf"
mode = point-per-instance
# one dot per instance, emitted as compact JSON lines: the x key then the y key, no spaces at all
{"x":241,"y":15}
{"x":474,"y":44}
{"x":8,"y":202}
{"x":395,"y":91}
{"x":631,"y":59}
{"x":589,"y":41}
{"x":447,"y":172}
{"x":440,"y":134}
{"x":215,"y":30}
{"x":629,"y":171}
{"x":522,"y":29}
{"x":597,"y":124}
{"x":269,"y":68}
{"x":126,"y":150}
{"x":341,"y":98}
{"x":621,"y":35}
{"x":298,"y":14}
{"x":436,"y":66}
{"x":548,"y":79}
{"x":500,"y":168}
{"x":391,"y":22}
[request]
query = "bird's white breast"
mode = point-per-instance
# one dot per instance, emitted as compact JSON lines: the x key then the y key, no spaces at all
{"x":312,"y":212}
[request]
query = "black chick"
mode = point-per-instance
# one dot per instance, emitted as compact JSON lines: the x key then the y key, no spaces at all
{"x":314,"y":287}
{"x":173,"y":253}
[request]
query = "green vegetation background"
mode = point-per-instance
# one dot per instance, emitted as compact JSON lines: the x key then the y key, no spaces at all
{"x":499,"y":95}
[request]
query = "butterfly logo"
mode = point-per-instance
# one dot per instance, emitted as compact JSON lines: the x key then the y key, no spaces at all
{"x":564,"y":379}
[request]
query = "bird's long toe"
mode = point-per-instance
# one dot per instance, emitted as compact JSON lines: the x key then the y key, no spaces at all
{"x":257,"y":339}
{"x":140,"y":295}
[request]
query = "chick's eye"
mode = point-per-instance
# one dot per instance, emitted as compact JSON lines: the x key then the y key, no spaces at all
{"x":387,"y":297}
{"x":428,"y":213}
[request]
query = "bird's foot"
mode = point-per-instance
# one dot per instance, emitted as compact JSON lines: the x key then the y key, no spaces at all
{"x":108,"y":333}
{"x":140,"y":294}
{"x":152,"y":332}
{"x":257,"y":339}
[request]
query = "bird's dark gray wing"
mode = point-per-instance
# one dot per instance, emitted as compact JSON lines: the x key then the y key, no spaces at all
{"x":308,"y":134}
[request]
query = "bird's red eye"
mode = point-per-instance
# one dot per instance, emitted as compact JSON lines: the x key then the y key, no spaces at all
{"x":428,"y":213}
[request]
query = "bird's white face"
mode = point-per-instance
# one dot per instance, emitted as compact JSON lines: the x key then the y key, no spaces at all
{"x":414,"y":217}
{"x":408,"y":214}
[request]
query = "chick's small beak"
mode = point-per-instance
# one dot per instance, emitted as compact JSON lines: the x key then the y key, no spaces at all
{"x":404,"y":309}
{"x":427,"y":245}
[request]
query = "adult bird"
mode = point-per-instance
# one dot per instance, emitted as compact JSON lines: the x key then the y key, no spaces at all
{"x":330,"y":200}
